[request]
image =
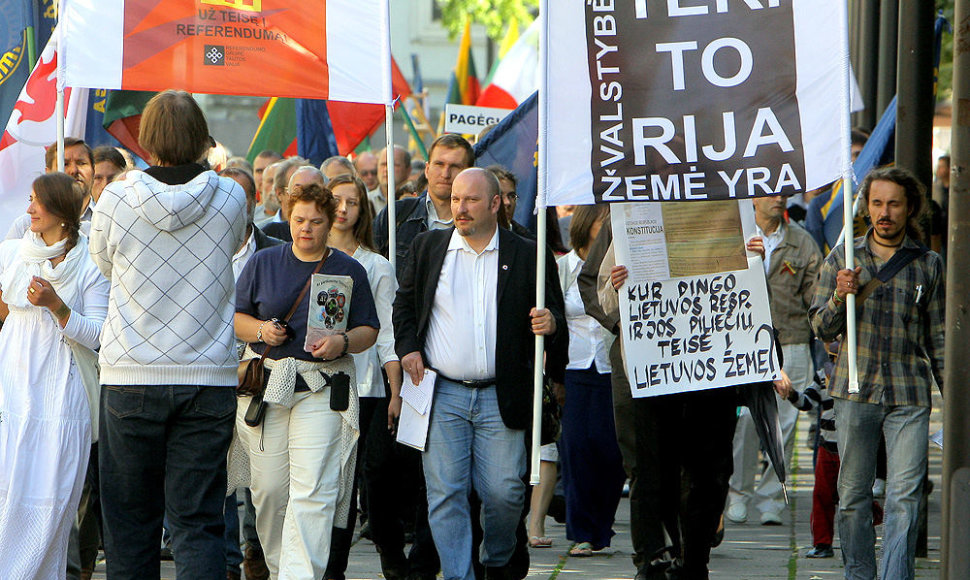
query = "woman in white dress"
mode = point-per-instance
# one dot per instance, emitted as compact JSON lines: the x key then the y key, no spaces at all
{"x":53,"y":301}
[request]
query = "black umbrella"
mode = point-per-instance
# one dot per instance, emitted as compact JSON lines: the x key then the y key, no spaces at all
{"x":761,"y":400}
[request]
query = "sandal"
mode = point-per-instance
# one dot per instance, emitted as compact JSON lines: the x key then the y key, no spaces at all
{"x":581,"y":550}
{"x":540,"y":542}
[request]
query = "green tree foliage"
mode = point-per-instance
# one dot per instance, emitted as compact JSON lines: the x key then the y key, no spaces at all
{"x":493,"y":14}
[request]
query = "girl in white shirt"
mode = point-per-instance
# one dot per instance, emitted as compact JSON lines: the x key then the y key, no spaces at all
{"x":592,"y":467}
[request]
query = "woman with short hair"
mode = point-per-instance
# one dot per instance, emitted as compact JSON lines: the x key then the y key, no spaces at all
{"x":53,"y":302}
{"x":302,"y":453}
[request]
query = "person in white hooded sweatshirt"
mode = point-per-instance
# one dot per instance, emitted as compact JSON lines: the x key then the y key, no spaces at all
{"x":165,"y":239}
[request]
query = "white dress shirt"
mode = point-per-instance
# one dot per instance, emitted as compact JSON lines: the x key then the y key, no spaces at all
{"x":435,"y":222}
{"x":462,"y":326}
{"x":242,"y":256}
{"x":588,"y":341}
{"x":771,"y":241}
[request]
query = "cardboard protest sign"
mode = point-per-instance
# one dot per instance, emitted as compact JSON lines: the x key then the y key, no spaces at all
{"x":694,"y":311}
{"x":674,"y":100}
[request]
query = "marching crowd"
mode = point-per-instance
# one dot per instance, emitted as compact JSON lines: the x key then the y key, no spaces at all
{"x":162,"y":356}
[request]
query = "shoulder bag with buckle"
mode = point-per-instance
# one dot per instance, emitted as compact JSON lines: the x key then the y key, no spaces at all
{"x":251,"y":372}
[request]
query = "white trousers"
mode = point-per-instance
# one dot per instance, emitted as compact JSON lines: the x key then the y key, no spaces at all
{"x":295,"y":465}
{"x":768,"y":494}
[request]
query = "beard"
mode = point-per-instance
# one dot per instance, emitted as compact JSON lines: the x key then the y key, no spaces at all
{"x":467,"y":230}
{"x":889,"y":230}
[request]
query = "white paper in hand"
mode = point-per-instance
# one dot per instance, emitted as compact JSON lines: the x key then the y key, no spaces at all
{"x":419,"y":396}
{"x":412,"y":428}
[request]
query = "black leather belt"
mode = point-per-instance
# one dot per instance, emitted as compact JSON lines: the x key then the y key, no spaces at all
{"x":474,"y":384}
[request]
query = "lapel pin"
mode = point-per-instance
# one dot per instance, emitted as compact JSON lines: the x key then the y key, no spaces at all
{"x":505,"y":266}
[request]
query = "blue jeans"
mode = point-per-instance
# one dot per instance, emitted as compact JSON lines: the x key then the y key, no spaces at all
{"x":234,"y":556}
{"x":163,"y":453}
{"x":906,"y":430}
{"x":469,"y":446}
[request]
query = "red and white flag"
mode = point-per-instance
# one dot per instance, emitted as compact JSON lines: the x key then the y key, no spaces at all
{"x":321,"y":49}
{"x":517,"y":76}
{"x":31,"y":129}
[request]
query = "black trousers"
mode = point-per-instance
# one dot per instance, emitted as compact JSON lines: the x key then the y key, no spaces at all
{"x":396,"y":496}
{"x":684,"y":461}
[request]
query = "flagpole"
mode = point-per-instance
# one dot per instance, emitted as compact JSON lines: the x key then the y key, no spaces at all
{"x":31,"y":46}
{"x":848,"y":214}
{"x":389,"y":147}
{"x":59,"y":108}
{"x":541,"y":248}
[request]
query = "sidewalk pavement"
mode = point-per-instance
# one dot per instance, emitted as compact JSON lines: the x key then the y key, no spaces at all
{"x":749,"y":551}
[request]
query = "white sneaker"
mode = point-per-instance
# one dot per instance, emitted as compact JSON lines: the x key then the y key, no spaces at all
{"x":737,"y":512}
{"x":770,"y":519}
{"x":879,"y":488}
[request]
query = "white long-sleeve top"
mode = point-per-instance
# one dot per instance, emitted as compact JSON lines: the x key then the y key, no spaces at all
{"x":589,"y":342}
{"x":383,"y":285}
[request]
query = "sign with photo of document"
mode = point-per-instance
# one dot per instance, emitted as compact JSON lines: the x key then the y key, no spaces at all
{"x":329,"y":307}
{"x":694,"y":310}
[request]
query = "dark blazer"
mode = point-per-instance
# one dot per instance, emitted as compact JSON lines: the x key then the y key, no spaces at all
{"x":412,"y":220}
{"x":278,"y":230}
{"x":516,"y":289}
{"x":264,"y":241}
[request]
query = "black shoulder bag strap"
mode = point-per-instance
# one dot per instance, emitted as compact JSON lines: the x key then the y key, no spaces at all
{"x":900,"y":260}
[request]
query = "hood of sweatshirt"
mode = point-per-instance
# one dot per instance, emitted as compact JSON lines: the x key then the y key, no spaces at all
{"x":172,"y":207}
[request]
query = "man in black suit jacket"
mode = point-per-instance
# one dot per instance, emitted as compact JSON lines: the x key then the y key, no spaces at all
{"x":464,"y":309}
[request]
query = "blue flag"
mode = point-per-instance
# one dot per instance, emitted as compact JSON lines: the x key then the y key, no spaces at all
{"x":95,"y":134}
{"x":314,"y":133}
{"x":825,"y":214}
{"x":513,"y":145}
{"x":15,"y":17}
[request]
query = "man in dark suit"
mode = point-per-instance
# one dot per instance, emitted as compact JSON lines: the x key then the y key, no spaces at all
{"x":453,"y":286}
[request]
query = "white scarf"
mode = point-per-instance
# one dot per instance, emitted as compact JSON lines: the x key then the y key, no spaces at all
{"x":35,"y":257}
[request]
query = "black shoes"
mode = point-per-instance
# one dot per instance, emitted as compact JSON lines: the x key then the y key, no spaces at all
{"x":821,"y":551}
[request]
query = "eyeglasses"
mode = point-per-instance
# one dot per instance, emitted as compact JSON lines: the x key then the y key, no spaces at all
{"x":511,"y":196}
{"x":367,"y":173}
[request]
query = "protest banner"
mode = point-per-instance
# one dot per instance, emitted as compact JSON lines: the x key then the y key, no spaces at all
{"x":703,"y":100}
{"x":694,"y":310}
{"x":470,"y":119}
{"x":322,"y":49}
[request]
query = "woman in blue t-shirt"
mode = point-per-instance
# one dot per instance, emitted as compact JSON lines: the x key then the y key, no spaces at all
{"x":302,"y":453}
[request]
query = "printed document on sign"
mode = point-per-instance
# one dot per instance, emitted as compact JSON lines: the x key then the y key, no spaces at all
{"x":412,"y":429}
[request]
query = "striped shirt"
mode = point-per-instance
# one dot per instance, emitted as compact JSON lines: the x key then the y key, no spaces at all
{"x":816,"y":398}
{"x":899,"y":330}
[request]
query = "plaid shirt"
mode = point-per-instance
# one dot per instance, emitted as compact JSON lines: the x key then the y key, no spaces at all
{"x":899,"y":330}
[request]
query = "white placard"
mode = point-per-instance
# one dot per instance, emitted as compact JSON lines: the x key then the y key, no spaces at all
{"x":469,"y":120}
{"x":694,"y":311}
